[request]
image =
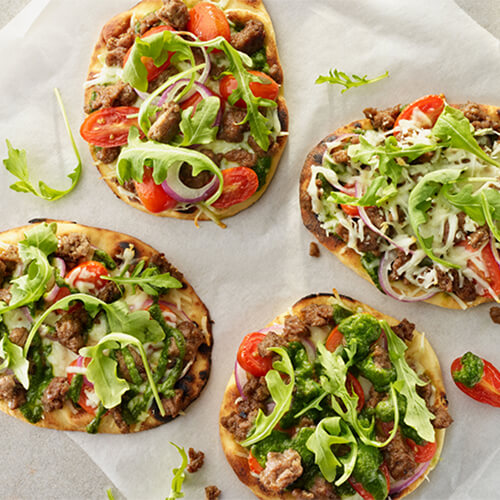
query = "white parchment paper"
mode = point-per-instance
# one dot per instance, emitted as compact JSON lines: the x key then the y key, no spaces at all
{"x":260,"y":265}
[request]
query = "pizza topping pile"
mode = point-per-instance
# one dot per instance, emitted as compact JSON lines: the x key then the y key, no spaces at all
{"x":417,"y":198}
{"x":330,"y":404}
{"x":90,"y":332}
{"x":186,"y":103}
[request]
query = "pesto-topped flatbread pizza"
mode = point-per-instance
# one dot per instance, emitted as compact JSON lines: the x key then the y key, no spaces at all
{"x":409,"y":198}
{"x":98,"y":331}
{"x":186,"y":115}
{"x":334,"y":398}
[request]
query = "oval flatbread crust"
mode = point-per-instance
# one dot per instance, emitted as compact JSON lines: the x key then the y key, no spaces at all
{"x":419,"y":351}
{"x":347,"y":255}
{"x":192,"y":383}
{"x":236,"y":10}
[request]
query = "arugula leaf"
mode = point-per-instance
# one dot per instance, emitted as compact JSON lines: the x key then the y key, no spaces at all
{"x":330,"y":431}
{"x":137,"y":323}
{"x":453,"y":128}
{"x":33,"y":250}
{"x":148,"y":109}
{"x":17,"y":165}
{"x":150,"y":280}
{"x":199,"y":129}
{"x":336,"y":77}
{"x":281,"y":394}
{"x":14,"y":360}
{"x":159,"y":47}
{"x":490,"y":203}
{"x":333,"y":380}
{"x":161,"y":157}
{"x":383,"y":156}
{"x":420,"y":201}
{"x":465,"y":201}
{"x":370,"y":198}
{"x":417,"y":415}
{"x":179,"y":475}
{"x":101,"y":370}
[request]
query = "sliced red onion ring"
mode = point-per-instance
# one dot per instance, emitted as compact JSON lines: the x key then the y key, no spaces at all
{"x":80,"y":362}
{"x":176,"y":189}
{"x":310,"y":348}
{"x":27,"y":313}
{"x":197,"y":87}
{"x":51,"y":296}
{"x":208,"y":63}
{"x":59,"y":264}
{"x":277,"y":328}
{"x":241,"y":377}
{"x":367,"y":222}
{"x":404,"y":483}
{"x":142,"y":95}
{"x":175,"y":309}
{"x":383,"y":277}
{"x":494,"y":249}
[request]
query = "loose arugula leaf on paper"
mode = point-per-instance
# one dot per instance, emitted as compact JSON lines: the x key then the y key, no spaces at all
{"x":17,"y":164}
{"x":337,"y":77}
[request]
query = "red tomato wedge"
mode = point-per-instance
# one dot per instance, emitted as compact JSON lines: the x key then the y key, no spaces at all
{"x":430,"y":108}
{"x":88,"y":273}
{"x":83,"y":400}
{"x":254,"y":465}
{"x":334,"y":340}
{"x":108,"y":127}
{"x":152,"y":195}
{"x":353,"y":385}
{"x":207,"y":22}
{"x":487,"y":390}
{"x":249,"y":358}
{"x":351,"y":210}
{"x":153,"y":70}
{"x":240,"y":183}
{"x":268,"y":88}
{"x":423,"y":453}
{"x":492,"y":275}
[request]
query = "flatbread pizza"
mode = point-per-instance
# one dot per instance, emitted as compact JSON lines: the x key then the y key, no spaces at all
{"x":408,"y":198}
{"x":334,"y":398}
{"x":185,"y":110}
{"x":98,"y":331}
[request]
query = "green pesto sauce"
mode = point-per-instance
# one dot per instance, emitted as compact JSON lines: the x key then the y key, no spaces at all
{"x":472,"y":370}
{"x":367,"y":472}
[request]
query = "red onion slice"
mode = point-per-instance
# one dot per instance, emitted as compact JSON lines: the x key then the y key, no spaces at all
{"x":383,"y":277}
{"x":367,"y":222}
{"x":50,"y":297}
{"x":241,"y":378}
{"x":80,"y":363}
{"x":404,"y":483}
{"x":60,"y":265}
{"x":277,"y":328}
{"x":494,"y":249}
{"x":176,"y":189}
{"x":27,"y":313}
{"x":178,"y":312}
{"x":142,"y":95}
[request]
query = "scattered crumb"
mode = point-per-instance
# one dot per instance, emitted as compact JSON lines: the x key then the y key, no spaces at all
{"x":212,"y":493}
{"x":313,"y":249}
{"x":196,"y":459}
{"x":495,"y":314}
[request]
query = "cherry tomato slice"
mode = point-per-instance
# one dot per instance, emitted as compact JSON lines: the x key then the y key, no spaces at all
{"x":254,"y":465}
{"x":492,"y":275}
{"x":240,"y":183}
{"x":87,"y":276}
{"x":423,"y":453}
{"x":431,"y":106}
{"x":108,"y":127}
{"x":249,"y":358}
{"x":195,"y":99}
{"x":334,"y":340}
{"x":207,"y":22}
{"x":83,"y":400}
{"x":351,"y":210}
{"x":153,"y":70}
{"x":268,"y":88}
{"x":152,"y":195}
{"x":352,"y":384}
